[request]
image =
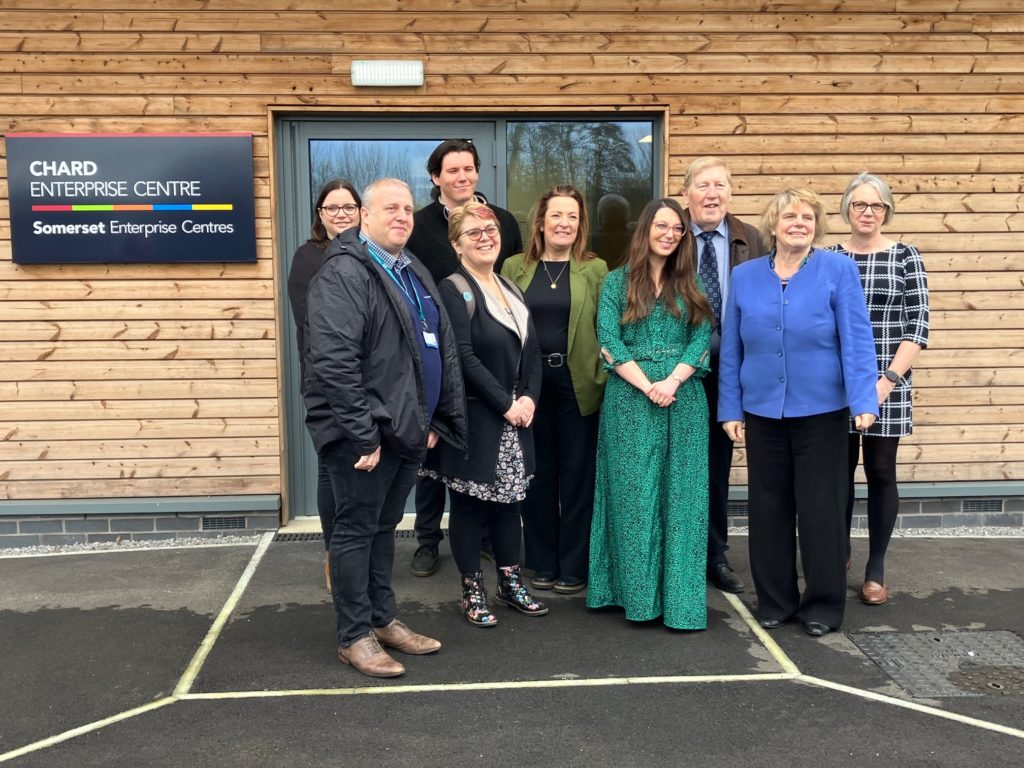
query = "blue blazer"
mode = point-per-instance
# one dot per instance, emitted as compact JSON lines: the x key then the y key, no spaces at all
{"x":801,"y":351}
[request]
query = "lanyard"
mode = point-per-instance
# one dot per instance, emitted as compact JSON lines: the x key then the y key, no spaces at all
{"x":397,"y":280}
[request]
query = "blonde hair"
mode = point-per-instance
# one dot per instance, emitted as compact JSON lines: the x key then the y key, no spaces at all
{"x":786,"y":198}
{"x":458,"y":215}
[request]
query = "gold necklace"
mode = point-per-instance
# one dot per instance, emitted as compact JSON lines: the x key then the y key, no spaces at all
{"x":554,"y":280}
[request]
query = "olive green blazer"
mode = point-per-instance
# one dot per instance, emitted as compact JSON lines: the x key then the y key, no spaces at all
{"x":585,"y":366}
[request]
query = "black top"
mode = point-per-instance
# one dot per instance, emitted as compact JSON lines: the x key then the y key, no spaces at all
{"x":429,"y":242}
{"x":549,"y":307}
{"x":497,"y":367}
{"x":305,"y":264}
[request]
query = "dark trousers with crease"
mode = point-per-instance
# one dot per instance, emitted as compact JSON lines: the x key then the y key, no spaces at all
{"x":368,"y":508}
{"x":797,"y":471}
{"x":719,"y":466}
{"x":560,"y":501}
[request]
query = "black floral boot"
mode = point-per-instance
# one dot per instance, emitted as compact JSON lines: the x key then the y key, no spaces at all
{"x":514,"y":593}
{"x":474,"y":601}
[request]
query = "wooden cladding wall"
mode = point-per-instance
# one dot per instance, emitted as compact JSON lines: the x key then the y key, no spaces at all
{"x":153,"y":381}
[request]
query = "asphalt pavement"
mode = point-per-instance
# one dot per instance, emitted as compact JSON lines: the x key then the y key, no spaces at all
{"x":225,"y":656}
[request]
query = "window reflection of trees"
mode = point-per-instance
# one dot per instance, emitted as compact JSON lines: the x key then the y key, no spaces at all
{"x":603,"y":159}
{"x":362,"y":161}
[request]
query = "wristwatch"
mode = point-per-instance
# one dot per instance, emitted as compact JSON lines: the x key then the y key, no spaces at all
{"x":892,"y":376}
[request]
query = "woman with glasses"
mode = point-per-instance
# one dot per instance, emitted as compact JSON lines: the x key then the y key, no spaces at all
{"x":649,"y":535}
{"x":561,"y":281}
{"x":336,"y":209}
{"x":895,"y":285}
{"x":797,"y":361}
{"x":501,"y":367}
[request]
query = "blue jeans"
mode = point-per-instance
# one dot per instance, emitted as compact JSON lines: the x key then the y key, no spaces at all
{"x":367,"y":508}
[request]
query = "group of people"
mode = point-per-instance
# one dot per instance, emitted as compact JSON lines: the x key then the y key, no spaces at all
{"x":585,"y":418}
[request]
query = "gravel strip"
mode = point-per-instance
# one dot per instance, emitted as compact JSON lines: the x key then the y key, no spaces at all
{"x":130,"y":546}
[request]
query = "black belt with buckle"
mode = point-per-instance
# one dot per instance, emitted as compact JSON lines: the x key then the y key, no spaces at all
{"x":555,"y":359}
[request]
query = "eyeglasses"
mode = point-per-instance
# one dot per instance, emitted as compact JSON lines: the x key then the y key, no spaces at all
{"x":333,"y":210}
{"x":876,"y":208}
{"x":661,"y":228}
{"x":475,"y":234}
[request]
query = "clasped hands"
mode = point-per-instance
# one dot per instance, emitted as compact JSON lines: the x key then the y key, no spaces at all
{"x":520,"y":414}
{"x":663,"y":393}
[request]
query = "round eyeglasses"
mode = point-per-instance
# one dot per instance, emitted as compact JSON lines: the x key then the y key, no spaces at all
{"x":475,"y":234}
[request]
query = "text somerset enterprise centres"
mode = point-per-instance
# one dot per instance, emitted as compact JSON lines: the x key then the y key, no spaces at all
{"x":116,"y":227}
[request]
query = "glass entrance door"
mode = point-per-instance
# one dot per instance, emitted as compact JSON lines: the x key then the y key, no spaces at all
{"x":610,"y":159}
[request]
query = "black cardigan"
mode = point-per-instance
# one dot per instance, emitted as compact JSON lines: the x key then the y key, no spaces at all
{"x":490,"y":356}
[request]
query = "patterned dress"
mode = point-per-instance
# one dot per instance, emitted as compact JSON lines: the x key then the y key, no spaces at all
{"x":650,"y":528}
{"x":896,"y":289}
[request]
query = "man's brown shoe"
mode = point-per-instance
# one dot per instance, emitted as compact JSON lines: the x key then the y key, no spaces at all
{"x":365,"y":655}
{"x":873,"y":593}
{"x":398,"y":636}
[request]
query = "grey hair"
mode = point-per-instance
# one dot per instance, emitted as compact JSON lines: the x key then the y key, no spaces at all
{"x":702,"y":163}
{"x":876,"y":183}
{"x":373,"y":186}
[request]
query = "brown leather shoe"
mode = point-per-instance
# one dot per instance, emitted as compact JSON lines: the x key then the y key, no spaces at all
{"x":365,"y":655}
{"x":398,"y":636}
{"x":873,"y":593}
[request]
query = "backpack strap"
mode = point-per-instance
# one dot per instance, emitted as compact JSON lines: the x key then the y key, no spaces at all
{"x":462,"y":284}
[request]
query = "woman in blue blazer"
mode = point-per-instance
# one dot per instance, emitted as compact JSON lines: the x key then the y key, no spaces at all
{"x":797,"y":359}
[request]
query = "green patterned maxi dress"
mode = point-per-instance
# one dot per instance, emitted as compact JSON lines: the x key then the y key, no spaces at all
{"x":648,"y":546}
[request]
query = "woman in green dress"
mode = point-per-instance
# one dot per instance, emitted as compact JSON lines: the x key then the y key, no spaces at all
{"x":649,"y":531}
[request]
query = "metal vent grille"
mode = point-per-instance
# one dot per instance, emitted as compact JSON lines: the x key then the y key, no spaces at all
{"x":230,"y":523}
{"x":284,"y":538}
{"x":737,"y":508}
{"x":982,"y":505}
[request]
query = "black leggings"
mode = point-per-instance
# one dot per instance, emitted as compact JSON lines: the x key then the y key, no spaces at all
{"x":468,"y":516}
{"x":883,"y":497}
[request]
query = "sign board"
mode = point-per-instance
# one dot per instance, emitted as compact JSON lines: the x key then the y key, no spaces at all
{"x":131,"y":198}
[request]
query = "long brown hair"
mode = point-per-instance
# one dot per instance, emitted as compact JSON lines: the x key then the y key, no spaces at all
{"x":578,"y":251}
{"x":679,"y":280}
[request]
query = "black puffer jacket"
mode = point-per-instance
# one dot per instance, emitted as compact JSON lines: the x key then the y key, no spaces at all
{"x":364,"y":380}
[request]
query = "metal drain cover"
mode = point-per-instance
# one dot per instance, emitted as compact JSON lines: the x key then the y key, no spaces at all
{"x":937,"y":664}
{"x":287,"y":537}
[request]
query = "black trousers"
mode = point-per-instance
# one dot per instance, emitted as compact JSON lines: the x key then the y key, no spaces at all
{"x":719,"y":466}
{"x":798,"y":483}
{"x":468,"y":518}
{"x":324,"y":500}
{"x":429,"y":511}
{"x":560,"y":502}
{"x":368,"y":508}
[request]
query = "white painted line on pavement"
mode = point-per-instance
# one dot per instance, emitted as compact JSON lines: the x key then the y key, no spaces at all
{"x":496,"y":685}
{"x":770,"y":645}
{"x":88,"y":728}
{"x":923,"y":708}
{"x":192,"y":671}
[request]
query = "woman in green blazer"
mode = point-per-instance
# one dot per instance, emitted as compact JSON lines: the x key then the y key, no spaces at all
{"x":561,"y":281}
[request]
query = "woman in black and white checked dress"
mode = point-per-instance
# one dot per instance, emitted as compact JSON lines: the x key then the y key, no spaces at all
{"x":896,"y":289}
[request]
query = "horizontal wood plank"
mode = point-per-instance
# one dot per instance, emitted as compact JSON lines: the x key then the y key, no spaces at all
{"x":139,"y":429}
{"x":195,"y":448}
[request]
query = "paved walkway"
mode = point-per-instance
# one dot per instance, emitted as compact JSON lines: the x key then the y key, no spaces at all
{"x":224,"y":656}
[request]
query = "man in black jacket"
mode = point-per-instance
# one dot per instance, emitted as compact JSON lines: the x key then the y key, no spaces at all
{"x":454,"y":167}
{"x":723,"y":241}
{"x":383,"y":385}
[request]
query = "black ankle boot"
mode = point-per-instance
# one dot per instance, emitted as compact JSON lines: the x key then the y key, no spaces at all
{"x":474,"y":601}
{"x":514,"y":593}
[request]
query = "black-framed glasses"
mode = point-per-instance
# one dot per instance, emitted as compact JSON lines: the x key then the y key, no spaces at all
{"x":334,"y":210}
{"x":876,"y":208}
{"x":491,"y":230}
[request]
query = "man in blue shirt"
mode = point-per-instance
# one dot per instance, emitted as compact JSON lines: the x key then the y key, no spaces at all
{"x":723,"y":241}
{"x":383,"y":385}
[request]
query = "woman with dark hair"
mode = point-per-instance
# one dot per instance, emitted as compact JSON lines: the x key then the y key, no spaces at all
{"x":649,"y":536}
{"x":336,"y":209}
{"x":896,"y":288}
{"x":501,"y":368}
{"x":561,"y":281}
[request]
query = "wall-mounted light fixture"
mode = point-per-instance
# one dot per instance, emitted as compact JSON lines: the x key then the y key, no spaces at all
{"x":384,"y":73}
